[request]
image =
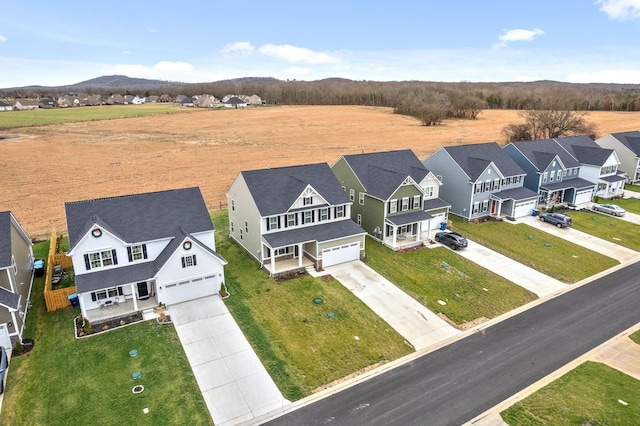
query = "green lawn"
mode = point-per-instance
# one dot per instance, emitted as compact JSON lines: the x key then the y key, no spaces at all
{"x":636,"y":337}
{"x":589,"y":393}
{"x":41,"y":116}
{"x":629,"y":204}
{"x":64,"y":381}
{"x":429,"y":275}
{"x":301,"y":347}
{"x":634,"y":188}
{"x":551,"y":255}
{"x":606,"y":227}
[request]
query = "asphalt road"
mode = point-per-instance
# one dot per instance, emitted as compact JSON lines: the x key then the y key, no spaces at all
{"x":461,"y":381}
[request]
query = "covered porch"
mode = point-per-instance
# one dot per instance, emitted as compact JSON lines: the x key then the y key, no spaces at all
{"x":407,"y":230}
{"x":288,"y":265}
{"x":611,"y":186}
{"x":513,"y":203}
{"x":569,"y":192}
{"x":119,"y":309}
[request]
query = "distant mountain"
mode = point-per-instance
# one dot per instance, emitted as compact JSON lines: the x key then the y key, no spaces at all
{"x":106,"y":82}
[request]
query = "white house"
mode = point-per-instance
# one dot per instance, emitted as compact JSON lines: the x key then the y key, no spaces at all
{"x":143,"y":250}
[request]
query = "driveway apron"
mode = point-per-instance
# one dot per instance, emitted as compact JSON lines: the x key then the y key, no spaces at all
{"x":413,"y":321}
{"x":235,"y":385}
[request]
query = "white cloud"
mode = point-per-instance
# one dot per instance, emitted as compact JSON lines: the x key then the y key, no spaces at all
{"x":517,"y":35}
{"x":623,"y":76}
{"x":298,"y":54}
{"x":241,"y":46}
{"x":3,"y":38}
{"x":620,"y":9}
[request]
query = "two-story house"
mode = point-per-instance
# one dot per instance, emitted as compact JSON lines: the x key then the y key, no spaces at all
{"x":16,"y":279}
{"x":627,"y":147}
{"x":289,"y":218}
{"x":395,"y":198}
{"x":552,"y":172}
{"x":138,"y":251}
{"x":597,"y":164}
{"x":481,"y":180}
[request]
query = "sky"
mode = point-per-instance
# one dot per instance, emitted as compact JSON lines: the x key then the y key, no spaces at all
{"x":53,"y":43}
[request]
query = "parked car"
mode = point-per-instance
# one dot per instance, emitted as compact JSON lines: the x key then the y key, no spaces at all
{"x":611,"y":209}
{"x":451,"y":239}
{"x":4,"y":363}
{"x":558,"y":219}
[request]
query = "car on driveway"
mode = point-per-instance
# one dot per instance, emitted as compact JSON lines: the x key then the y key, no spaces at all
{"x":4,"y":363}
{"x":558,"y":219}
{"x":451,"y":239}
{"x":611,"y":209}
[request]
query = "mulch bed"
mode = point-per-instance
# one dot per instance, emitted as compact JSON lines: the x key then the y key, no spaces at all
{"x":102,"y":326}
{"x":25,"y":348}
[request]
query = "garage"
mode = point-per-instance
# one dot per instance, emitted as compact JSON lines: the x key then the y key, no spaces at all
{"x":583,"y":196}
{"x":340,"y":254}
{"x":435,"y":222}
{"x":524,"y":208}
{"x":5,"y":340}
{"x":190,"y":289}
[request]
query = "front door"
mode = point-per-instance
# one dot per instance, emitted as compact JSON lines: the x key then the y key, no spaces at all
{"x":143,"y":290}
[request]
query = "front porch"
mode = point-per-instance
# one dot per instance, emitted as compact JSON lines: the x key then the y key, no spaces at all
{"x":287,"y":265}
{"x":408,"y":240}
{"x":119,"y":309}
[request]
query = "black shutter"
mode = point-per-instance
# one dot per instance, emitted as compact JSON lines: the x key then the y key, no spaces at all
{"x":183,"y":262}
{"x":115,"y":257}
{"x":120,"y":292}
{"x":86,"y":262}
{"x":313,"y":216}
{"x":296,"y":218}
{"x":328,"y":214}
{"x":129,"y":254}
{"x":194,"y":260}
{"x":268,"y":224}
{"x":144,"y":251}
{"x":93,"y":297}
{"x":278,"y":222}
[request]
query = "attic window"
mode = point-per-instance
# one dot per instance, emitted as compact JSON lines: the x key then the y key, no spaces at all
{"x":307,"y":201}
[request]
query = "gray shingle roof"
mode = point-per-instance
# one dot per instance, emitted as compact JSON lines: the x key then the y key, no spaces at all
{"x":382,"y":173}
{"x":275,"y":190}
{"x":9,"y":299}
{"x":140,"y":217}
{"x":542,"y":152}
{"x":474,"y":159}
{"x":407,"y":218}
{"x":435,"y":203}
{"x":577,"y":183}
{"x":629,"y":139}
{"x":516,"y":194}
{"x":5,"y":239}
{"x":585,"y":150}
{"x":324,"y":232}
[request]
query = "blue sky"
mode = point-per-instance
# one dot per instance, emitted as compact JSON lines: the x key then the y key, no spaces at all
{"x":68,"y":41}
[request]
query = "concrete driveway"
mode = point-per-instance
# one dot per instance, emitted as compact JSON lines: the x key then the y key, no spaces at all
{"x":234,"y":383}
{"x":417,"y":324}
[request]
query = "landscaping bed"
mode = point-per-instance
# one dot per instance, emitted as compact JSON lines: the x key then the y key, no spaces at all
{"x":84,"y":329}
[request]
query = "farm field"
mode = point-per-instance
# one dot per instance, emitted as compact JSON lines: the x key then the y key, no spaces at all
{"x":44,"y":166}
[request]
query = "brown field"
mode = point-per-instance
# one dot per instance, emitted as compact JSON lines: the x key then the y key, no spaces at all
{"x":43,"y":167}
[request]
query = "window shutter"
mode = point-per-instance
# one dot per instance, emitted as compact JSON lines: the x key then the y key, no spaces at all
{"x":296,"y":216}
{"x":93,"y":297}
{"x":278,"y":222}
{"x":268,"y":224}
{"x":194,"y":260}
{"x":129,"y":254}
{"x":328,"y":214}
{"x":115,"y":258}
{"x":313,"y":216}
{"x":183,"y":262}
{"x":87,"y":264}
{"x":120,"y":292}
{"x":144,"y":251}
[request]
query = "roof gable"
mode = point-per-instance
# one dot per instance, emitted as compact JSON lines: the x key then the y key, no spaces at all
{"x":474,"y":159}
{"x":542,"y":152}
{"x":629,"y":139}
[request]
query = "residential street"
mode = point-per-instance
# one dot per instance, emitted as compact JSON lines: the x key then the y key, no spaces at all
{"x":460,"y":381}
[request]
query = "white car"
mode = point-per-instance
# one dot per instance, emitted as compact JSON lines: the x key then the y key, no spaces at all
{"x":611,"y":209}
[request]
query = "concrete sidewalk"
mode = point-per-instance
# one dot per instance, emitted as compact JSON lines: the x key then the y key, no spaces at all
{"x":421,"y":327}
{"x":235,"y":385}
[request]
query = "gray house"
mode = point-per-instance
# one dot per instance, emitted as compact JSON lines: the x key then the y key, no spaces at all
{"x":627,"y":147}
{"x":552,"y":172}
{"x":397,"y":197}
{"x":16,"y":278}
{"x":480,"y":180}
{"x":289,"y":218}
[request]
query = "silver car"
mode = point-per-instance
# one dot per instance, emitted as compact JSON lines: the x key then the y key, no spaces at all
{"x":4,"y":363}
{"x":611,"y":209}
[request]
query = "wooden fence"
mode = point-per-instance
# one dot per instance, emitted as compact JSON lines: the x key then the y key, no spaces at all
{"x":56,"y":299}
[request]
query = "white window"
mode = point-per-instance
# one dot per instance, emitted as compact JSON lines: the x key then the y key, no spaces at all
{"x":273,"y":222}
{"x":100,"y":258}
{"x":339,"y":211}
{"x":393,"y":206}
{"x":428,"y":191}
{"x":107,"y":293}
{"x":324,"y":214}
{"x":361,"y":198}
{"x":417,"y":201}
{"x":246,"y":226}
{"x":352,"y":194}
{"x":405,"y":203}
{"x":233,"y":205}
{"x":476,"y":207}
{"x":544,"y":177}
{"x":307,"y":201}
{"x":241,"y":234}
{"x":559,"y":174}
{"x":478,"y":187}
{"x":359,"y":219}
{"x":308,"y":217}
{"x":291,"y":219}
{"x":231,"y":226}
{"x":439,"y":177}
{"x":485,"y":205}
{"x":188,"y":261}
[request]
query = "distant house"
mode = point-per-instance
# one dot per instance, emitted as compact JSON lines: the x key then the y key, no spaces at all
{"x":138,"y":251}
{"x":255,"y":100}
{"x":395,"y":198}
{"x":187,"y":102}
{"x":480,"y":180}
{"x":627,"y":148}
{"x":115,"y":99}
{"x":165,"y":98}
{"x":66,"y":101}
{"x":128,"y":99}
{"x":207,"y":101}
{"x":288,"y":218}
{"x":16,"y":278}
{"x":152,"y":99}
{"x":139,"y":100}
{"x":235,"y":102}
{"x":5,"y":106}
{"x":47,"y":103}
{"x":25,"y":104}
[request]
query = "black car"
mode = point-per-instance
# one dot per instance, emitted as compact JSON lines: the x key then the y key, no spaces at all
{"x":451,"y":239}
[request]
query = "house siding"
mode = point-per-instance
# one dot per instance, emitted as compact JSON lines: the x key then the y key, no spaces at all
{"x":629,"y":161}
{"x":243,"y":208}
{"x":455,"y":188}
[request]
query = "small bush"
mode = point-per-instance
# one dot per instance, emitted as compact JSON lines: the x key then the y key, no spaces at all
{"x":86,"y":325}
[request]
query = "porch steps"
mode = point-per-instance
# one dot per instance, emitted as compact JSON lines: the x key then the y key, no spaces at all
{"x":148,"y":314}
{"x":311,"y":270}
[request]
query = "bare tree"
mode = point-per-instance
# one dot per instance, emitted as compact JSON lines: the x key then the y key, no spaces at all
{"x":549,"y":123}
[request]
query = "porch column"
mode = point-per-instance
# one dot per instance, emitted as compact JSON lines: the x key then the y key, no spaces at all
{"x":135,"y":298}
{"x":419,"y":231}
{"x":300,"y":255}
{"x":394,"y":239}
{"x":500,"y":207}
{"x":273,"y":262}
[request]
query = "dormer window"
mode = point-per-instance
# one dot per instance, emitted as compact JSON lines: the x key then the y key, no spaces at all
{"x":307,"y":201}
{"x":100,"y":259}
{"x":137,"y":252}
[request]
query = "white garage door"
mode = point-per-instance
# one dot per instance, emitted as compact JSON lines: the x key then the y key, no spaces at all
{"x":188,"y":290}
{"x":583,"y":197}
{"x":524,"y":209}
{"x":340,"y":254}
{"x":5,"y":340}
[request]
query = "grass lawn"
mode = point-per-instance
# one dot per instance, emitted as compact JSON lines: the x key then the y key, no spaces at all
{"x":634,"y":188}
{"x":629,"y":204}
{"x":41,"y":116}
{"x":551,"y":255}
{"x":608,"y":228}
{"x":589,"y":393}
{"x":428,"y":275}
{"x":300,"y":346}
{"x":80,"y":382}
{"x":636,"y":337}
